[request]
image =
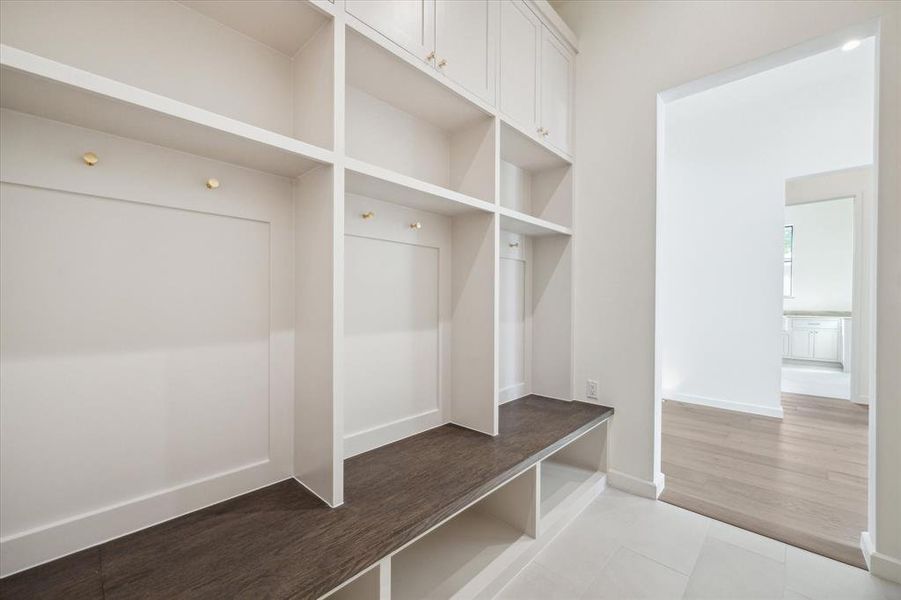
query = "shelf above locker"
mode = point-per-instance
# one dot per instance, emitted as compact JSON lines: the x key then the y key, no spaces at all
{"x":284,"y":26}
{"x":518,"y":222}
{"x":384,"y":184}
{"x":407,"y":84}
{"x":526,"y":152}
{"x":46,"y":88}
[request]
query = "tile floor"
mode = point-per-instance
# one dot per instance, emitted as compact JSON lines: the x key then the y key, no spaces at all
{"x":811,"y":380}
{"x":623,"y":547}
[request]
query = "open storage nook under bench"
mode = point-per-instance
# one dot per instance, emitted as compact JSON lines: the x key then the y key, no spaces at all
{"x":415,"y":524}
{"x":245,"y":241}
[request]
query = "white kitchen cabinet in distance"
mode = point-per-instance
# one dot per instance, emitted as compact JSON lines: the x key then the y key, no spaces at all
{"x":814,"y":338}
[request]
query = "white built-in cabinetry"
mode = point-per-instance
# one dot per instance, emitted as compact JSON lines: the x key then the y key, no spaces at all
{"x":455,"y":38}
{"x":396,"y":179}
{"x":535,"y":75}
{"x":812,"y":338}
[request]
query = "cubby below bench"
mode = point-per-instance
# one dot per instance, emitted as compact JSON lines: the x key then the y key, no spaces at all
{"x":443,"y":513}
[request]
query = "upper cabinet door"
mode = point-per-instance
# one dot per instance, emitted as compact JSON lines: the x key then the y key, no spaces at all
{"x":408,"y":23}
{"x":465,"y":43}
{"x":556,"y":91}
{"x":520,"y":35}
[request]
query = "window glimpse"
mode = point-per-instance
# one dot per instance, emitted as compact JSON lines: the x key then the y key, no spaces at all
{"x":787,"y":261}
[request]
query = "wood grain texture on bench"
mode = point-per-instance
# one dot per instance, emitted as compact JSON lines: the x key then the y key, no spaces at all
{"x":283,"y":542}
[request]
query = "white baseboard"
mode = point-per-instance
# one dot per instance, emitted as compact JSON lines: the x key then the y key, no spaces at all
{"x":880,"y":565}
{"x":42,"y":544}
{"x":375,"y":437}
{"x":634,"y":485}
{"x":754,"y":409}
{"x":512,"y":392}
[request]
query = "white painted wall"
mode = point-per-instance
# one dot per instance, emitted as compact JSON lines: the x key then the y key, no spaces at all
{"x":822,"y":255}
{"x":628,"y":53}
{"x":727,"y":154}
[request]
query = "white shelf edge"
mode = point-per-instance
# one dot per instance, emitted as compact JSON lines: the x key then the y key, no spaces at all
{"x":567,"y":158}
{"x":60,"y":73}
{"x":517,"y":222}
{"x":437,"y":192}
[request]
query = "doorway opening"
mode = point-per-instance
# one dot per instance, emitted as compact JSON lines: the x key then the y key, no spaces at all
{"x":764,"y":371}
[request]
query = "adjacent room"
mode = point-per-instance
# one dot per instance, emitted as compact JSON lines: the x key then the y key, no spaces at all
{"x":759,"y":430}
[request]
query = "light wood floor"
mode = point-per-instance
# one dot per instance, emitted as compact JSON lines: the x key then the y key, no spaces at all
{"x":801,"y":480}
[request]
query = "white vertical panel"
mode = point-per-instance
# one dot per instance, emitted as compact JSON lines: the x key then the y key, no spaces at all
{"x":512,"y":324}
{"x":397,"y":322}
{"x":475,"y":312}
{"x":318,"y":263}
{"x":552,"y":325}
{"x":391,"y":332}
{"x":113,"y":340}
{"x":144,"y":336}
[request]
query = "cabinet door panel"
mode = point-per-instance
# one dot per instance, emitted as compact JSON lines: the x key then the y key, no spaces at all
{"x":825,"y":344}
{"x":556,"y":86}
{"x":520,"y":32}
{"x":464,"y":38}
{"x":801,"y":343}
{"x":408,"y":23}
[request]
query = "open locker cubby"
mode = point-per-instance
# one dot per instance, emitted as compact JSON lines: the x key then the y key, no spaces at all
{"x":238,"y":81}
{"x":573,"y":475}
{"x":418,"y":321}
{"x":372,"y":584}
{"x":535,"y":316}
{"x":402,"y":120}
{"x":534,"y":182}
{"x":463,"y":556}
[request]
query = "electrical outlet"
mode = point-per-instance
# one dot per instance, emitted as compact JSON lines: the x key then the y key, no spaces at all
{"x":591,"y":390}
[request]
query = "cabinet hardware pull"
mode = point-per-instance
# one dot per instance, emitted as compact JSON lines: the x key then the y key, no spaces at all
{"x":416,"y":225}
{"x":514,"y":244}
{"x":541,"y":130}
{"x":546,"y":131}
{"x":212,"y":183}
{"x":442,"y":62}
{"x":431,"y":56}
{"x":89,"y":158}
{"x":368,"y":215}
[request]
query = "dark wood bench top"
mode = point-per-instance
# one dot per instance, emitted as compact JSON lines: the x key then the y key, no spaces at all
{"x":283,"y":542}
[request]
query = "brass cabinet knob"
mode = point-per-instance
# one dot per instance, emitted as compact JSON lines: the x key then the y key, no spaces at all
{"x":212,"y":183}
{"x":89,"y":158}
{"x":442,"y":62}
{"x":416,"y":225}
{"x":368,"y":215}
{"x":430,"y":57}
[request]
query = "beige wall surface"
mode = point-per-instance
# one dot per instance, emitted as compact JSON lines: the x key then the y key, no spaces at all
{"x":630,"y":52}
